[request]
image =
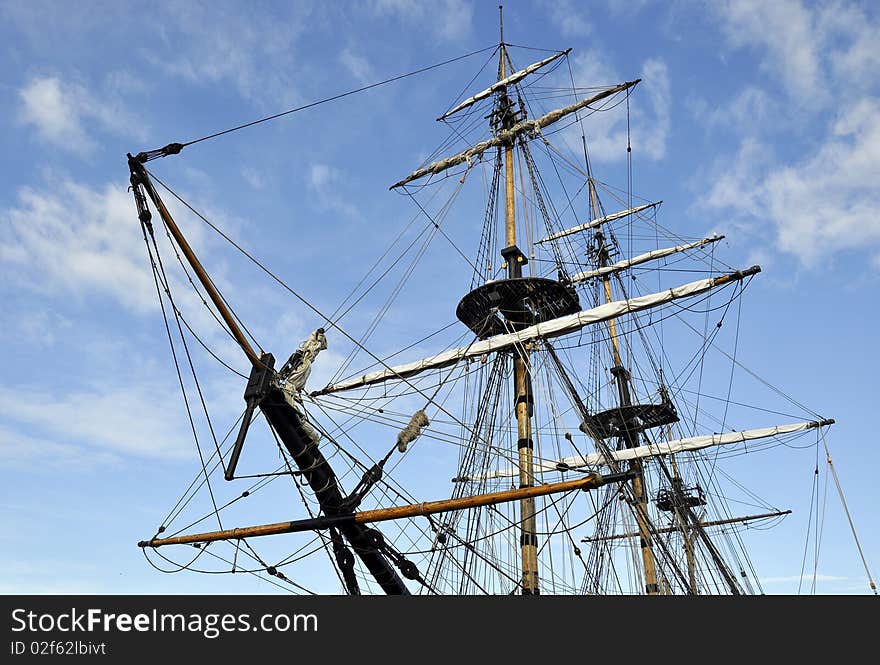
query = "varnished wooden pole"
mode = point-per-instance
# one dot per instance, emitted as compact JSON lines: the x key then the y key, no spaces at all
{"x":588,"y":482}
{"x":138,"y":169}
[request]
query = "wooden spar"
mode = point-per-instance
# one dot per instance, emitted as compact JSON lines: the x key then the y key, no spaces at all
{"x":588,"y":482}
{"x":507,"y":136}
{"x":732,"y":520}
{"x":138,"y":170}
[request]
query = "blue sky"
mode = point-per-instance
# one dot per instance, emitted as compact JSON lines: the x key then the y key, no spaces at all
{"x":758,"y":120}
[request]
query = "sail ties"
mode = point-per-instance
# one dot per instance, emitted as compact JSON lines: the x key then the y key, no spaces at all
{"x":546,"y":329}
{"x":516,"y":77}
{"x":507,"y":136}
{"x":643,"y":258}
{"x":411,"y":432}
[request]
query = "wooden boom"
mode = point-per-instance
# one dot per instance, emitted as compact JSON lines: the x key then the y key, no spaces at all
{"x":590,"y":481}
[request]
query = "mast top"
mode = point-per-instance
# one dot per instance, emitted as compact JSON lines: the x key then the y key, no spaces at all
{"x":501,"y":22}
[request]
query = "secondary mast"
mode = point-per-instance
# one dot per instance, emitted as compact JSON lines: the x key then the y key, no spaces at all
{"x":622,"y":378}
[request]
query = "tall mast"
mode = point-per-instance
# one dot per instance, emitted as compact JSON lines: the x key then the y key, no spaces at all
{"x":521,"y":365}
{"x":622,"y":378}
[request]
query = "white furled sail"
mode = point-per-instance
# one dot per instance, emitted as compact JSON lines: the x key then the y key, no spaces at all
{"x":516,"y":77}
{"x":664,"y":448}
{"x":551,"y":328}
{"x":642,"y":258}
{"x":507,"y":136}
{"x":599,"y":221}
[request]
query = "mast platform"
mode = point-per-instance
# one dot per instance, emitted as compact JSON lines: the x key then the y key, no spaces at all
{"x":504,"y":305}
{"x":623,"y":420}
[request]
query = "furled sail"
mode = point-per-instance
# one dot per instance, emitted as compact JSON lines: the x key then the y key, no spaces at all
{"x":599,"y":221}
{"x":664,"y":448}
{"x":516,"y":77}
{"x":507,"y":136}
{"x":642,"y":258}
{"x":551,"y":328}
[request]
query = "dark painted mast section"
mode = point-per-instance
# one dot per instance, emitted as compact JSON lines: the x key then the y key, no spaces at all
{"x":283,"y":418}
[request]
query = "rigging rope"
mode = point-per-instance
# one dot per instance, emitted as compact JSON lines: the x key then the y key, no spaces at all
{"x":175,"y":148}
{"x":849,"y":518}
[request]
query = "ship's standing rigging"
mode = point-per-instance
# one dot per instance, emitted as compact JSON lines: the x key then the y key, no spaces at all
{"x":582,"y":465}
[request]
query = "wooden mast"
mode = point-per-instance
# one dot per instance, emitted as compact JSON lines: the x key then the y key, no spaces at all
{"x":682,"y":521}
{"x":621,"y":376}
{"x":521,"y":365}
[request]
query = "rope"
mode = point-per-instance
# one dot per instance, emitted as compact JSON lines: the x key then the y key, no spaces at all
{"x":846,"y":510}
{"x":175,"y":148}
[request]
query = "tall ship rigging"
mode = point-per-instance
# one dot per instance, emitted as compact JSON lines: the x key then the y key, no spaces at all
{"x":570,"y":432}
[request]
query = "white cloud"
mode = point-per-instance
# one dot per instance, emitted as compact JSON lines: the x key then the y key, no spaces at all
{"x":77,"y":240}
{"x":824,"y":203}
{"x":749,"y":111}
{"x":324,"y":180}
{"x":789,"y":36}
{"x":568,"y":20}
{"x":72,"y":239}
{"x":651,"y":133}
{"x":63,"y":112}
{"x":812,"y":51}
{"x":851,"y":45}
{"x":22,"y":452}
{"x":449,"y":20}
{"x":52,"y":113}
{"x":139,"y":418}
{"x":822,"y":58}
{"x":40,"y":328}
{"x":209,"y":43}
{"x":650,"y":106}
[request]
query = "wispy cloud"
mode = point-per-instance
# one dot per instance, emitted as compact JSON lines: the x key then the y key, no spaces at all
{"x":788,"y":36}
{"x":449,"y":20}
{"x":123,"y":419}
{"x":650,"y":110}
{"x":67,"y":115}
{"x":39,"y":327}
{"x":822,"y":201}
{"x":566,"y":16}
{"x":359,"y":66}
{"x":22,"y":452}
{"x":253,"y":177}
{"x":325,"y":181}
{"x":256,"y":52}
{"x":73,"y":239}
{"x":70,"y":239}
